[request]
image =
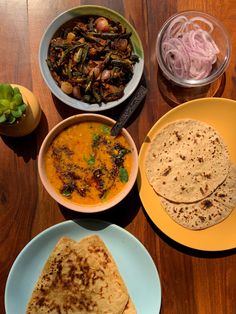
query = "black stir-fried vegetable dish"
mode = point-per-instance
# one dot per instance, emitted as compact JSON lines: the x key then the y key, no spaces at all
{"x":91,"y":59}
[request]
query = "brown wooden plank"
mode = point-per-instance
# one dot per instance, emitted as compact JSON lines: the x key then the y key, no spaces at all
{"x":192,"y":282}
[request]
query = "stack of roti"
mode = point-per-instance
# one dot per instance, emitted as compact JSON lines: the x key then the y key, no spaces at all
{"x":189,"y":167}
{"x":80,"y":277}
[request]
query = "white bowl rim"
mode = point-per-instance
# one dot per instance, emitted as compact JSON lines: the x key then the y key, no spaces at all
{"x":54,"y":88}
{"x":51,"y":190}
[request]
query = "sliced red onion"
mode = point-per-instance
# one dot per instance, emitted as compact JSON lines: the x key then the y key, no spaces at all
{"x":188,"y":50}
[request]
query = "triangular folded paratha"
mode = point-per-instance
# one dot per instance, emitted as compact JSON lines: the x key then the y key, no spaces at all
{"x":80,"y":277}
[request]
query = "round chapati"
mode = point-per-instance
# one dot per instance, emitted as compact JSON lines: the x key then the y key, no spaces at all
{"x":187,"y":160}
{"x":209,"y":211}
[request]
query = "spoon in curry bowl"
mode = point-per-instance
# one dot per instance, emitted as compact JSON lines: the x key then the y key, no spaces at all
{"x":129,"y":110}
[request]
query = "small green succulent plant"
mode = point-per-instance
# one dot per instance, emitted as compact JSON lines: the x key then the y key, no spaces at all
{"x":12,"y":106}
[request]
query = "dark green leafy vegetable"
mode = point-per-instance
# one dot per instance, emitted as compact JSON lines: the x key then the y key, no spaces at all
{"x":95,"y":140}
{"x":123,"y":175}
{"x":105,"y":129}
{"x":67,"y":190}
{"x":91,"y":160}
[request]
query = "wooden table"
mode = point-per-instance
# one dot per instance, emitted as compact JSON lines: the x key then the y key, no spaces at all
{"x":192,"y":282}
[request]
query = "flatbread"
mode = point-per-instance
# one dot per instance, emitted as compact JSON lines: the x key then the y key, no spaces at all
{"x":80,"y":277}
{"x":130,"y":308}
{"x":209,"y":211}
{"x":187,"y":160}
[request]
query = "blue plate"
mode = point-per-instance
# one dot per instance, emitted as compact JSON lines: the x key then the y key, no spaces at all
{"x":134,"y":262}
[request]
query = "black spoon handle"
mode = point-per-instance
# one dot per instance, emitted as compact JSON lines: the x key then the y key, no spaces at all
{"x":129,"y":110}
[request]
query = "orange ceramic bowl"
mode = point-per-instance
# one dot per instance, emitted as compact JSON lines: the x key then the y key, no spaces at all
{"x":67,"y":202}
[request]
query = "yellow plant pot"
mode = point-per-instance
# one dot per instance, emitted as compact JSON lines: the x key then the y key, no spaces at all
{"x":29,"y":120}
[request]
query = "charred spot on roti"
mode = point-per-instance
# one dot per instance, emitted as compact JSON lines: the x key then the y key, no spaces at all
{"x":178,"y":136}
{"x":207,"y":203}
{"x":167,"y":171}
{"x":200,"y":159}
{"x":207,"y":175}
{"x":202,"y":218}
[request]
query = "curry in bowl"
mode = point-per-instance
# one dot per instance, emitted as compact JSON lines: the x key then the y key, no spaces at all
{"x":85,"y":166}
{"x":91,"y":59}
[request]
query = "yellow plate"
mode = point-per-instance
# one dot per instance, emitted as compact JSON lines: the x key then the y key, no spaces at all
{"x":221,"y":114}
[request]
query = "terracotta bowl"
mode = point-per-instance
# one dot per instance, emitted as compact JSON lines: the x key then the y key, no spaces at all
{"x":64,"y":201}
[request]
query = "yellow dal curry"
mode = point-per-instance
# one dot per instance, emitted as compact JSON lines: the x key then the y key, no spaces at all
{"x":87,"y":165}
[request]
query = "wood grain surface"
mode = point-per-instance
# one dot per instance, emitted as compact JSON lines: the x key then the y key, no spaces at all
{"x":192,"y":282}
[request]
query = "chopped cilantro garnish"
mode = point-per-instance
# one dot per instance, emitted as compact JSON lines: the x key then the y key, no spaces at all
{"x":104,"y":197}
{"x":90,"y":160}
{"x":67,"y":189}
{"x":123,"y":175}
{"x":95,"y":139}
{"x":105,"y":129}
{"x":122,"y":152}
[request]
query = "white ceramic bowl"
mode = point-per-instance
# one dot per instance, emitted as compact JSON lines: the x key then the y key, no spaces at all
{"x":65,"y":17}
{"x":65,"y":201}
